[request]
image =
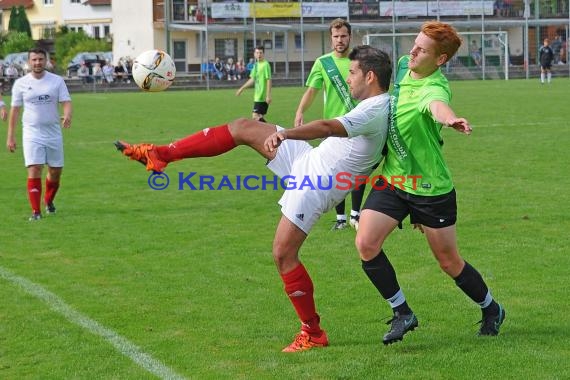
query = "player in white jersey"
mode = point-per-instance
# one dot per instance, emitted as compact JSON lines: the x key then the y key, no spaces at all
{"x":353,"y":145}
{"x":40,"y":93}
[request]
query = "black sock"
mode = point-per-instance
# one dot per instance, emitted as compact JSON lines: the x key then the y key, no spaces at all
{"x":339,"y":208}
{"x":383,"y":276}
{"x":472,"y":284}
{"x":357,"y":195}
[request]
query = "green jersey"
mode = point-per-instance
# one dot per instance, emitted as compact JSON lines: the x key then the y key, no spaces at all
{"x":414,"y":137}
{"x":261,"y":73}
{"x":333,"y":104}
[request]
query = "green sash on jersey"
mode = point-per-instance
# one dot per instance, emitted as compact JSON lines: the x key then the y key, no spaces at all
{"x":394,"y":138}
{"x":338,"y":82}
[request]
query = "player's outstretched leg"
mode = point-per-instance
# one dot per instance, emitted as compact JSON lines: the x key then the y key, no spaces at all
{"x":143,"y":153}
{"x":205,"y":143}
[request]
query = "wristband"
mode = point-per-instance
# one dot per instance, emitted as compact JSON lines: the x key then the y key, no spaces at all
{"x":2,"y":104}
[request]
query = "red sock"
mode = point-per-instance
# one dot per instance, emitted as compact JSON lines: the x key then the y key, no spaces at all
{"x":35,"y":194}
{"x":299,"y":288}
{"x":51,"y":190}
{"x":206,"y":143}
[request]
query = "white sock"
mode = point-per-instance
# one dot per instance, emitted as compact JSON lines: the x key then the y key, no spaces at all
{"x":487,"y":301}
{"x":397,"y":299}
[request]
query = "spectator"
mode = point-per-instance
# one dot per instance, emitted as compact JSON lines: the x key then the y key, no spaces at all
{"x":108,"y":72}
{"x":83,"y":73}
{"x":12,"y":73}
{"x":218,"y":69}
{"x":475,"y":53}
{"x":249,"y":67}
{"x":230,"y":69}
{"x":122,"y":72}
{"x":97,"y":73}
{"x":240,"y":69}
{"x":207,"y":69}
{"x":556,"y":47}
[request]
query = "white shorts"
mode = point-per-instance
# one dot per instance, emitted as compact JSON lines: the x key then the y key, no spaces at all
{"x":36,"y":153}
{"x":303,"y":205}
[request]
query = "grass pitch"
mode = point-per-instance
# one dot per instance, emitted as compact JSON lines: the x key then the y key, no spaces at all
{"x":126,"y":282}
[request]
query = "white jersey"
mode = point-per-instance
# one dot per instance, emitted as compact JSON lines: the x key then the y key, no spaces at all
{"x":313,"y":172}
{"x":40,"y":99}
{"x":367,"y":126}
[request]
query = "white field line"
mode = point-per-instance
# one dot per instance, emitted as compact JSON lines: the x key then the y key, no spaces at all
{"x":125,"y":347}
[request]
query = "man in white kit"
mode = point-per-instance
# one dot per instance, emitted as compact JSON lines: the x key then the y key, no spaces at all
{"x":40,"y":93}
{"x":353,"y":144}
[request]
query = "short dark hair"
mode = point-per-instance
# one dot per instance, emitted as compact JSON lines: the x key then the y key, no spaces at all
{"x":37,"y":50}
{"x":375,"y":60}
{"x":260,"y":47}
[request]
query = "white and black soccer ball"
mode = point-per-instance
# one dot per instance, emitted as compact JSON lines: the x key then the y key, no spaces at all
{"x":154,"y":70}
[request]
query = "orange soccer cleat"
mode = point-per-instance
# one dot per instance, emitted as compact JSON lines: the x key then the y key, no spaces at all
{"x":303,"y":341}
{"x":143,"y":153}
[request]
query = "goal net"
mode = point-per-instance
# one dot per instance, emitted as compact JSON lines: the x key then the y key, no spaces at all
{"x":482,"y":55}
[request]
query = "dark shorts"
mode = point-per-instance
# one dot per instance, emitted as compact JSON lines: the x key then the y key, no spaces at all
{"x":260,"y":108}
{"x":432,"y":211}
{"x":546,"y":67}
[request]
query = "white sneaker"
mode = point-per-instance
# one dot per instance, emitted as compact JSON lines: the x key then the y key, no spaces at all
{"x":339,"y":225}
{"x":354,"y":221}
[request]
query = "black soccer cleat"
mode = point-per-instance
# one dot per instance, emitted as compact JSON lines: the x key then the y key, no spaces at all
{"x":490,"y":324}
{"x":401,"y":324}
{"x":120,"y":145}
{"x":50,"y":208}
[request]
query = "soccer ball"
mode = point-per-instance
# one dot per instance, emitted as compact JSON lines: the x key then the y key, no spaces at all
{"x":154,"y":70}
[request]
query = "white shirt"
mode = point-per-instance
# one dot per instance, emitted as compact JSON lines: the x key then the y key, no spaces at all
{"x":352,"y":156}
{"x":367,"y":126}
{"x":40,"y":99}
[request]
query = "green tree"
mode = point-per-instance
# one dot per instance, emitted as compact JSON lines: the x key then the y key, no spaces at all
{"x":14,"y":20}
{"x":19,"y":21}
{"x":68,"y":44}
{"x":25,"y":23}
{"x":15,"y":42}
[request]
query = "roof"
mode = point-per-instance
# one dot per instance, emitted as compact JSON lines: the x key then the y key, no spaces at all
{"x":7,"y":4}
{"x":97,"y":2}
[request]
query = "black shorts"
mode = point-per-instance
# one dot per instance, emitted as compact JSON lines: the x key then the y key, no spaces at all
{"x":260,"y":108}
{"x":432,"y":211}
{"x":546,"y":67}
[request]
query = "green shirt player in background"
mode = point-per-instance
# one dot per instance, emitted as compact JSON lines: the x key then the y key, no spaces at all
{"x":261,"y":77}
{"x":420,"y":109}
{"x":330,"y":72}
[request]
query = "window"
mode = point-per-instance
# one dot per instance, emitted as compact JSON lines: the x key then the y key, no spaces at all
{"x":179,"y":10}
{"x":75,"y":1}
{"x":279,"y":41}
{"x":48,"y":33}
{"x":106,"y":30}
{"x":298,"y":40}
{"x":250,"y":47}
{"x":96,"y":32}
{"x":48,"y":2}
{"x":225,"y":48}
